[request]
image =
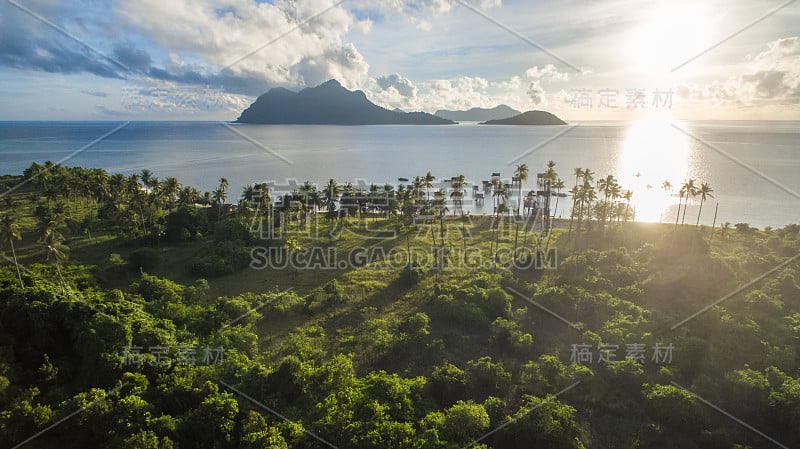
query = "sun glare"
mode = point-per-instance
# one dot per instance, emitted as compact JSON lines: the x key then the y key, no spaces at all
{"x":668,"y":36}
{"x":652,"y":152}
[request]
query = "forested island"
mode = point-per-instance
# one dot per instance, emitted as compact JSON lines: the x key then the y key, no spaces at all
{"x":478,"y":114}
{"x":138,"y":312}
{"x":529,"y":118}
{"x":328,"y":104}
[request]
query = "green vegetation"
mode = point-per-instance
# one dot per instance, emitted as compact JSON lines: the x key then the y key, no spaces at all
{"x":144,"y":314}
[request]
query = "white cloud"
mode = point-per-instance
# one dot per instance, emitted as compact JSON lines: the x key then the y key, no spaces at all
{"x":402,"y":85}
{"x":418,"y":12}
{"x":780,"y":48}
{"x":149,"y":95}
{"x":456,"y":94}
{"x":392,"y":91}
{"x":513,"y":84}
{"x":220,"y":34}
{"x":536,"y":94}
{"x":548,"y":72}
{"x":772,"y":77}
{"x":343,"y":63}
{"x":775,"y":85}
{"x":489,"y":4}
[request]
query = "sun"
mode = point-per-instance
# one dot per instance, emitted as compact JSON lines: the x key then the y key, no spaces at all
{"x":668,"y":36}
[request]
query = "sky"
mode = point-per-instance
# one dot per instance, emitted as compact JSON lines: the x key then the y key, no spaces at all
{"x":580,"y":59}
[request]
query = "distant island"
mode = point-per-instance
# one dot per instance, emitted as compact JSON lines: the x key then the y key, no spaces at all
{"x":328,"y":104}
{"x":478,"y":114}
{"x":530,"y":118}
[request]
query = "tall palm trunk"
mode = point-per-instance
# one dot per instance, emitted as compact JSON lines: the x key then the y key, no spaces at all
{"x":578,"y":224}
{"x":464,"y":240}
{"x":516,"y":237}
{"x":60,"y":278}
{"x":16,"y":264}
{"x":685,"y":206}
{"x":555,"y":208}
{"x":699,"y":212}
{"x":678,"y":215}
{"x":571,"y":217}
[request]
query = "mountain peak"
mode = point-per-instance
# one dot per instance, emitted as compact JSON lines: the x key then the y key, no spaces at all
{"x":331,"y":83}
{"x":328,"y":104}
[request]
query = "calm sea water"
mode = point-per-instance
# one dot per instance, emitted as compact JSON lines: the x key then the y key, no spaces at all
{"x":753,"y":167}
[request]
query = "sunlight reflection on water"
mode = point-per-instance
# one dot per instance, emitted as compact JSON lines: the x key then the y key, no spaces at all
{"x":653,"y":151}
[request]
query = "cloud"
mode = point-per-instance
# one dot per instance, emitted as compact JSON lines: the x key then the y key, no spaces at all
{"x":772,"y":85}
{"x":149,"y":95}
{"x":402,"y":85}
{"x":548,"y":72}
{"x":459,"y":93}
{"x":270,"y":42}
{"x":774,"y":74}
{"x":28,"y":44}
{"x":513,"y":84}
{"x":779,"y":49}
{"x":206,"y":35}
{"x":536,"y":93}
{"x":95,"y":93}
{"x":343,"y":63}
{"x":417,"y":12}
{"x":772,"y":77}
{"x":132,"y":57}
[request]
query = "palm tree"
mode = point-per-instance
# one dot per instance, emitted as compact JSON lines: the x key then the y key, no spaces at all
{"x":440,"y":207}
{"x":666,"y":185}
{"x":573,"y":192}
{"x":499,"y":194}
{"x":605,"y":186}
{"x":308,"y":193}
{"x":390,"y":204}
{"x":408,"y":198}
{"x":9,"y":230}
{"x":56,"y":250}
{"x":248,"y":192}
{"x":220,"y":195}
{"x":578,"y":174}
{"x":690,"y":190}
{"x":261,"y":197}
{"x":169,"y":190}
{"x":457,"y":195}
{"x":586,"y":195}
{"x":558,"y":185}
{"x":627,"y":195}
{"x":521,"y":173}
{"x":428,"y":183}
{"x":588,"y":175}
{"x":681,"y":192}
{"x":329,"y":197}
{"x":705,"y":192}
{"x":148,"y":179}
{"x":188,"y":196}
{"x":550,"y":177}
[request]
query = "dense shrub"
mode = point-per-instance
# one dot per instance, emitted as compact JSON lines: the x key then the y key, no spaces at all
{"x":145,"y":259}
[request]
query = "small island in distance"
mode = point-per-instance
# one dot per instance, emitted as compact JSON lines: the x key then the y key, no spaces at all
{"x":530,"y":118}
{"x":328,"y":104}
{"x":478,"y":114}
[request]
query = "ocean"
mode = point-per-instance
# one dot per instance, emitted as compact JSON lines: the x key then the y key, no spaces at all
{"x":752,"y":166}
